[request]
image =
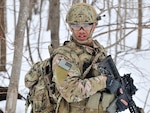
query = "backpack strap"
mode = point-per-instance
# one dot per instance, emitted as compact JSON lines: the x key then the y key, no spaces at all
{"x":50,"y":86}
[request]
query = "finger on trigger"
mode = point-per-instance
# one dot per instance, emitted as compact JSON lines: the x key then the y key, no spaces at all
{"x":124,"y":102}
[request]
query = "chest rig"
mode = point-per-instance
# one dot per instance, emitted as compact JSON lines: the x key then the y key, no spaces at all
{"x":86,"y":56}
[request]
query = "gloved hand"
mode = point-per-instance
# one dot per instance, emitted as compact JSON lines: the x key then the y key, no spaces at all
{"x":112,"y":85}
{"x":120,"y":105}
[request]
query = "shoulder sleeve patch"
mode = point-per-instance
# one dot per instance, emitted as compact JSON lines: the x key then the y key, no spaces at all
{"x":61,"y":70}
{"x":64,"y":64}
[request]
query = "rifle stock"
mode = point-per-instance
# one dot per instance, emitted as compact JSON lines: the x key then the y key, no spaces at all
{"x":109,"y":65}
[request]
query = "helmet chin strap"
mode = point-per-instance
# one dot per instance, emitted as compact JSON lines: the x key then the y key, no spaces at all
{"x":87,"y":42}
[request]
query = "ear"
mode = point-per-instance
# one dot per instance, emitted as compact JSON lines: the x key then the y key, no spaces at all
{"x":71,"y":29}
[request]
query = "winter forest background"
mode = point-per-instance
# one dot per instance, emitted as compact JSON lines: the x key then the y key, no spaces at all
{"x":27,"y":27}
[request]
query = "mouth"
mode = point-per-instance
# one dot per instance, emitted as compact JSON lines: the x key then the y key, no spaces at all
{"x":82,"y":37}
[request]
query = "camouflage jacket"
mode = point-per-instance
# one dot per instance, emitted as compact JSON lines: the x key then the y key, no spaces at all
{"x":69,"y":65}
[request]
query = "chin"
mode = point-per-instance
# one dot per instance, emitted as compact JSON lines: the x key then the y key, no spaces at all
{"x":83,"y":39}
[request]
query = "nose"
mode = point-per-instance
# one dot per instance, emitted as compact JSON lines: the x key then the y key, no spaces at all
{"x":81,"y":28}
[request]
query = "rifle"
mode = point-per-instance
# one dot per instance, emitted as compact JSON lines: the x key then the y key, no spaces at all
{"x":126,"y":84}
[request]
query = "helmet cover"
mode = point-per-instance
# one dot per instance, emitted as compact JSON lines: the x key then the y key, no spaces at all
{"x":81,"y":13}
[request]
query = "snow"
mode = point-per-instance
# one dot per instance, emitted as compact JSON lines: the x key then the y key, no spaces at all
{"x":19,"y":109}
{"x":140,"y":59}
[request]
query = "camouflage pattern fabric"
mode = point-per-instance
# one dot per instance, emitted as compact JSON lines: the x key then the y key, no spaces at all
{"x":72,"y":88}
{"x":39,"y":96}
{"x":73,"y":93}
{"x":81,"y":13}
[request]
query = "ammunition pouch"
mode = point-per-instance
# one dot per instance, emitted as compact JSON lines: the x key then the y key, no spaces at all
{"x":99,"y":102}
{"x":93,"y":103}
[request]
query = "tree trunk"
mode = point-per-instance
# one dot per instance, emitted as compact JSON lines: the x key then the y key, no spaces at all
{"x":18,"y":50}
{"x":54,"y":22}
{"x":139,"y":24}
{"x":75,"y":1}
{"x":2,"y":36}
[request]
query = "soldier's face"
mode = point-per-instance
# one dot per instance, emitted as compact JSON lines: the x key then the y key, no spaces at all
{"x":82,"y":31}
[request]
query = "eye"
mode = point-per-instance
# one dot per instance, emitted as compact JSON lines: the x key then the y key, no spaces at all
{"x":90,"y":23}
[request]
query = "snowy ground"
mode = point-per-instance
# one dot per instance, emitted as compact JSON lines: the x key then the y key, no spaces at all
{"x":20,"y":106}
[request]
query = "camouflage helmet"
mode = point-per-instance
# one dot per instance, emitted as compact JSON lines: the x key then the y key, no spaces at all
{"x":81,"y":13}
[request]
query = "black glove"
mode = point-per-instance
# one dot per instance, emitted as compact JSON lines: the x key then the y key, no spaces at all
{"x":112,"y":85}
{"x":120,"y":105}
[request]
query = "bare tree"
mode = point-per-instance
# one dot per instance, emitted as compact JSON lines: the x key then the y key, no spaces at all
{"x":122,"y":19}
{"x":75,"y":1}
{"x":17,"y":60}
{"x":140,"y":16}
{"x":125,"y":12}
{"x":54,"y":18}
{"x":2,"y":36}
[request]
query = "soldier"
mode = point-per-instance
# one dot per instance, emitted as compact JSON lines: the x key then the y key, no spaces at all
{"x":82,"y":88}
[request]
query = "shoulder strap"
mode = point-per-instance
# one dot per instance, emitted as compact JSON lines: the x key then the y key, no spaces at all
{"x":93,"y":62}
{"x":101,"y":53}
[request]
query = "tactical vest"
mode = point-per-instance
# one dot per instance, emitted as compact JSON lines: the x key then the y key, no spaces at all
{"x":83,"y":56}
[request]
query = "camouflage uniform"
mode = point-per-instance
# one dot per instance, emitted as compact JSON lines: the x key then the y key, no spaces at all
{"x":80,"y":88}
{"x":75,"y":90}
{"x":68,"y":81}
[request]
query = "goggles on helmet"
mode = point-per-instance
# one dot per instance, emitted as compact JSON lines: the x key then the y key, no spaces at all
{"x":85,"y":26}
